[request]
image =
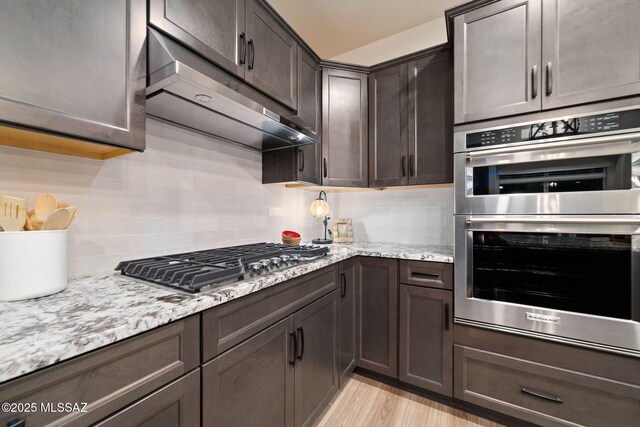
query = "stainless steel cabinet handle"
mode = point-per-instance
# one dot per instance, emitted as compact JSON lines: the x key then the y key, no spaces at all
{"x":541,"y":395}
{"x":534,"y":82}
{"x":549,"y":78}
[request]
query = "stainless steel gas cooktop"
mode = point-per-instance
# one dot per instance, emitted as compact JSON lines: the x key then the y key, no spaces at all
{"x":202,"y":270}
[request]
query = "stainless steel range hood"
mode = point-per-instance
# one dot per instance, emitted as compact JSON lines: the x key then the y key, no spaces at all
{"x":187,"y":90}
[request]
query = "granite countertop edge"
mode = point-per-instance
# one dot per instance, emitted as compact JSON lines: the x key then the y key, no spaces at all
{"x":97,"y":311}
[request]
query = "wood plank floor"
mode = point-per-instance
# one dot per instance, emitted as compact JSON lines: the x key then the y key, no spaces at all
{"x":365,"y":402}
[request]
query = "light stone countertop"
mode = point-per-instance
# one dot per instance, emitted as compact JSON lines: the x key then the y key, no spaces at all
{"x":96,"y":311}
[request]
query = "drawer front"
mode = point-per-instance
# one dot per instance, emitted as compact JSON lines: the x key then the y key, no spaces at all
{"x":542,"y":394}
{"x":176,"y":405}
{"x":229,"y":324}
{"x":108,"y":379}
{"x":425,"y":273}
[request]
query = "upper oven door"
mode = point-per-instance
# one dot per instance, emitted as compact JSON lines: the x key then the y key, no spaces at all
{"x":569,"y":276}
{"x":598,"y":175}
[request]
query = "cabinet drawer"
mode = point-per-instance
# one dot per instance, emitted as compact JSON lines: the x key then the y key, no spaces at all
{"x":425,"y":273}
{"x":229,"y":324}
{"x":176,"y":405}
{"x":107,"y":379}
{"x":542,"y":394}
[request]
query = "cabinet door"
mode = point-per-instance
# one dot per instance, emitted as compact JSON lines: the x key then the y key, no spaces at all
{"x":344,"y":128}
{"x":426,"y":338}
{"x":252,"y":384}
{"x":75,"y":68}
{"x":388,"y":127}
{"x":591,"y":50}
{"x":316,"y":367}
{"x":309,"y":81}
{"x":497,"y":60}
{"x":213,"y":28}
{"x":176,"y":405}
{"x":377,"y":315}
{"x":431,"y":120}
{"x":308,"y":163}
{"x":347,"y":357}
{"x":271,"y":56}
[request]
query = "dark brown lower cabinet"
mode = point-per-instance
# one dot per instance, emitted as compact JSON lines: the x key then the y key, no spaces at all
{"x":545,"y":383}
{"x":176,"y":405}
{"x":347,"y":356}
{"x":377,"y":315}
{"x":252,"y":384}
{"x":426,"y":338}
{"x":283,"y":376}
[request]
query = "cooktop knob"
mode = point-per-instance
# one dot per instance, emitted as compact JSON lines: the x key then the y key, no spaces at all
{"x":275,"y":261}
{"x":255,"y":266}
{"x":295,"y":257}
{"x":285,"y":258}
{"x":265,"y":262}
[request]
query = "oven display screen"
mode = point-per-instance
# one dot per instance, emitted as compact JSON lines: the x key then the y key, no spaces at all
{"x":582,"y":273}
{"x":585,"y":125}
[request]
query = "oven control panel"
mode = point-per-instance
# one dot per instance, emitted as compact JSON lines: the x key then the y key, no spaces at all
{"x":584,"y":125}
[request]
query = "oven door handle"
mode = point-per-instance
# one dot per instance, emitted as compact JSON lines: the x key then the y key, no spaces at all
{"x":548,"y":145}
{"x":554,"y":220}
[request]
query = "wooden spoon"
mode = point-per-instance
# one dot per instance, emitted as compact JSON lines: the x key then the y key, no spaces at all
{"x":74,"y":212}
{"x":46,"y":203}
{"x":13,"y":213}
{"x":58,"y":220}
{"x":36,"y":224}
{"x":62,"y":205}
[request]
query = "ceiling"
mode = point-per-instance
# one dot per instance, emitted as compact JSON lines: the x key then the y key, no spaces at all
{"x":332,"y":27}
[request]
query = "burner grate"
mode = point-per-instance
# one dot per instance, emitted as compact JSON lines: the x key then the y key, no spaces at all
{"x":197,"y":271}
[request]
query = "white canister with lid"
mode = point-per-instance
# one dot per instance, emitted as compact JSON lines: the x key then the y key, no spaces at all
{"x":32,"y":264}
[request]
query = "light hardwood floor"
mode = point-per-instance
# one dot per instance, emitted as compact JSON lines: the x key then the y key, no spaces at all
{"x":365,"y":402}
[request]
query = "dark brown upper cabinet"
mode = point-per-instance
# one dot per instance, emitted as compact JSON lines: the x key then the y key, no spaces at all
{"x":344,"y":128}
{"x":271,"y":55}
{"x":300,"y":164}
{"x":519,"y":56}
{"x":388,"y":148}
{"x":497,"y":60}
{"x":410,"y":122}
{"x":73,"y":71}
{"x":241,"y":36}
{"x":214,"y":29}
{"x":590,"y":51}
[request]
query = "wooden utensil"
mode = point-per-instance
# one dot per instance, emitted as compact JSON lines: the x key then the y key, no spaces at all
{"x":46,"y":203}
{"x":36,"y":224}
{"x":58,"y":220}
{"x":62,"y":205}
{"x":13,"y":213}
{"x":74,"y":212}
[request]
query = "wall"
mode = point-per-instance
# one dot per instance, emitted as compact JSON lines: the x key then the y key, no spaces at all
{"x":185,"y":192}
{"x":429,"y":34}
{"x":418,"y":216}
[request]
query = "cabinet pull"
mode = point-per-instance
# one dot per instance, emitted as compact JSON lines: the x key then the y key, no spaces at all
{"x":446,"y":317}
{"x":324,"y":166}
{"x":404,"y":172}
{"x":252,"y":55}
{"x":301,"y":331}
{"x":549,"y":79}
{"x":16,"y":422}
{"x":410,"y":164}
{"x":301,"y":151}
{"x":428,"y":276}
{"x":541,"y":395}
{"x":293,"y":343}
{"x":243,"y":41}
{"x":534,"y":82}
{"x":343,"y":285}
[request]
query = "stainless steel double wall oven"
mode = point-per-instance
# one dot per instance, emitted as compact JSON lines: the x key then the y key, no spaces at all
{"x":547,"y":228}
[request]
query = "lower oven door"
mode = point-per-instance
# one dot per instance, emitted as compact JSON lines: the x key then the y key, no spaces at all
{"x":574,"y":278}
{"x":583,"y":176}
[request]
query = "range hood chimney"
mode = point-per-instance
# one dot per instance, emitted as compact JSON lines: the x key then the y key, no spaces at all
{"x":189,"y":91}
